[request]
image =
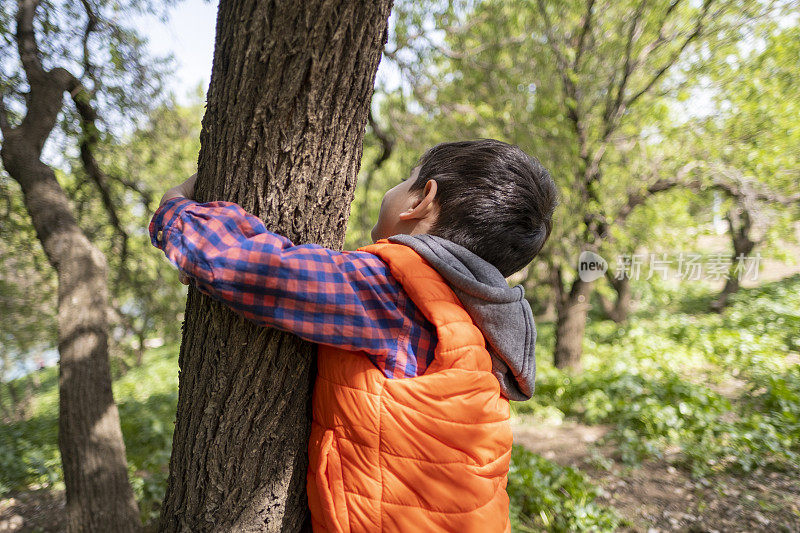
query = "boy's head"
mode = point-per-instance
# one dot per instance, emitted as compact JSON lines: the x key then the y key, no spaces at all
{"x":488,"y":196}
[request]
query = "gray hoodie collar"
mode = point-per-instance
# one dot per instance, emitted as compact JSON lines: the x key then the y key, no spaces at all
{"x":501,"y":312}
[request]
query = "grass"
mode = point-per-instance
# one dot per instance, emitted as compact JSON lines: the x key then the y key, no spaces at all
{"x":548,"y":497}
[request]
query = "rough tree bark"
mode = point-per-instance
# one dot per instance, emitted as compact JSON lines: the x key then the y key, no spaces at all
{"x":99,"y":497}
{"x":282,"y":136}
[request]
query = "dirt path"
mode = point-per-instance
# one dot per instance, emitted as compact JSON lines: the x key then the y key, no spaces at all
{"x":35,"y":511}
{"x":657,"y":497}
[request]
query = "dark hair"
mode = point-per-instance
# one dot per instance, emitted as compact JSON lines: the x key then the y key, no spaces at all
{"x":495,"y":200}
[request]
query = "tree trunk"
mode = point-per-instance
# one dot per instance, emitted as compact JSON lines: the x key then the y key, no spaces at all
{"x":570,"y":325}
{"x":740,"y":224}
{"x":723,"y":298}
{"x":99,"y":497}
{"x":619,"y":310}
{"x":282,"y":136}
{"x":142,"y":336}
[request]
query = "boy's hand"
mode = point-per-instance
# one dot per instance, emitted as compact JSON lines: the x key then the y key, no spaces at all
{"x":185,"y":189}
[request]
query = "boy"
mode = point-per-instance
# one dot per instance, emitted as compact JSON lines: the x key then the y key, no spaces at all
{"x":421,"y":342}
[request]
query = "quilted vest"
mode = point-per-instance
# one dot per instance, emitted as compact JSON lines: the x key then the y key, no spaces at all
{"x":429,"y":453}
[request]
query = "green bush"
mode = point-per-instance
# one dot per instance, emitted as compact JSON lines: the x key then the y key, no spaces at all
{"x":659,"y":381}
{"x":29,"y":454}
{"x":546,"y":496}
{"x":147,"y":398}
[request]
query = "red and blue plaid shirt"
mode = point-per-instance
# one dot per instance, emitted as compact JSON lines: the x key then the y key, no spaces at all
{"x":345,"y":299}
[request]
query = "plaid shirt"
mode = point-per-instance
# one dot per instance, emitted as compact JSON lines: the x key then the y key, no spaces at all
{"x":344,"y":299}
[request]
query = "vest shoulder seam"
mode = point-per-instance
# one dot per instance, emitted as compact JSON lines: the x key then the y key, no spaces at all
{"x":463,"y":347}
{"x":347,"y":386}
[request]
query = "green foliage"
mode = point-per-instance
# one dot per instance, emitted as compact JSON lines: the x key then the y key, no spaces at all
{"x":659,"y":382}
{"x":549,"y":497}
{"x":29,"y":453}
{"x":710,"y":392}
{"x":145,"y":296}
{"x":147,"y":397}
{"x":27,"y":284}
{"x":771,"y":311}
{"x":648,"y":411}
{"x":720,"y":391}
{"x":160,"y":154}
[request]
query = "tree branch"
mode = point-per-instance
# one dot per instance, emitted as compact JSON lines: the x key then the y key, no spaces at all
{"x":145,"y":193}
{"x":91,"y":24}
{"x":637,"y":198}
{"x":551,"y":38}
{"x":737,"y":186}
{"x":557,"y":282}
{"x":88,"y":142}
{"x":26,"y":40}
{"x":734,"y":185}
{"x":472,"y":52}
{"x":660,"y":38}
{"x":613,"y":111}
{"x":585,"y":28}
{"x":699,"y":26}
{"x":563,"y":68}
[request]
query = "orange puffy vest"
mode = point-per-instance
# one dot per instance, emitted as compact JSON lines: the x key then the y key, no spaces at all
{"x":429,"y":453}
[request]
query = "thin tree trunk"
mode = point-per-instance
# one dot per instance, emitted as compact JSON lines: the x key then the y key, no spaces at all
{"x":8,"y":414}
{"x":571,"y":324}
{"x":723,"y":298}
{"x":532,"y":280}
{"x":99,"y":497}
{"x":142,"y":336}
{"x":282,"y":136}
{"x":620,"y":308}
{"x":19,"y":402}
{"x":740,"y":224}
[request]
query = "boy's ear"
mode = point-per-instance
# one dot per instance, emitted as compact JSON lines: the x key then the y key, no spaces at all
{"x":423,"y":204}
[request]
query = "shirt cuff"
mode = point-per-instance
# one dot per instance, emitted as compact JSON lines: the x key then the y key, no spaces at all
{"x":163,"y":218}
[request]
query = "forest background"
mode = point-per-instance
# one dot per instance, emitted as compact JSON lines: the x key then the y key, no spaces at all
{"x":668,"y":391}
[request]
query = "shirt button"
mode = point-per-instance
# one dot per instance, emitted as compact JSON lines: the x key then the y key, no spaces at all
{"x":159,"y":235}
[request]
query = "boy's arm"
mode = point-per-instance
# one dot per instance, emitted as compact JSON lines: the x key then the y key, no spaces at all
{"x":344,"y":299}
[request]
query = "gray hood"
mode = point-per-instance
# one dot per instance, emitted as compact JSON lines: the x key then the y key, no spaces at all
{"x":501,"y":312}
